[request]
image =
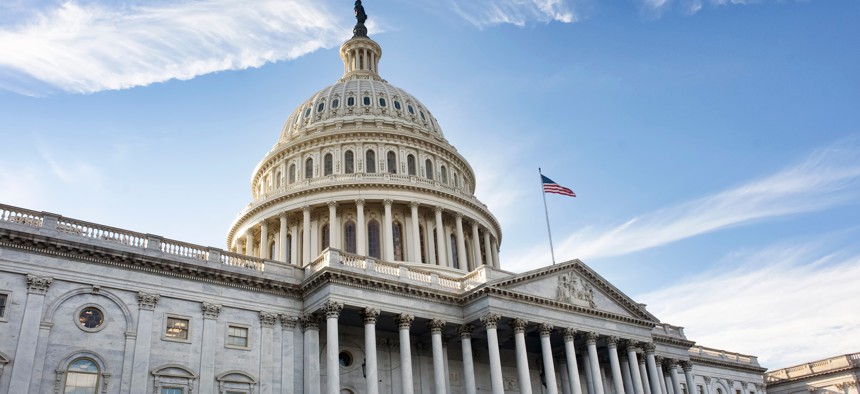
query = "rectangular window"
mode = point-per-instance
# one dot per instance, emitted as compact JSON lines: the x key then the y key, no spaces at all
{"x":172,"y":390}
{"x":177,"y":328}
{"x":4,"y":298}
{"x":683,"y":388}
{"x":700,"y":389}
{"x":237,"y":336}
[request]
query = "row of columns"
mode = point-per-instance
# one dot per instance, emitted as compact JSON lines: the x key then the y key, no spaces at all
{"x":413,"y":250}
{"x":627,"y":378}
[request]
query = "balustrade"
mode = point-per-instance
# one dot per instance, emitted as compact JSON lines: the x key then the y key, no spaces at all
{"x":21,"y":216}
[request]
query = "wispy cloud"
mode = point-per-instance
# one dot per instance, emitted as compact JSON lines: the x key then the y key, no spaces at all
{"x":827,"y":178}
{"x":785,"y":303}
{"x":483,"y":13}
{"x":87,"y":46}
{"x":657,"y":8}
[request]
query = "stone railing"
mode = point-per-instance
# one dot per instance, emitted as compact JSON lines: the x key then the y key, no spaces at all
{"x":799,"y":371}
{"x":723,"y":355}
{"x":420,"y":274}
{"x":145,"y":242}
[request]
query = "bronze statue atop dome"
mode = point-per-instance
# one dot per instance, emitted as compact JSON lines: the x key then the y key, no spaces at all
{"x":360,"y":16}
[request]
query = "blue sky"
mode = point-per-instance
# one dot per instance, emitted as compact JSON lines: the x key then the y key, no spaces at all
{"x":714,"y":145}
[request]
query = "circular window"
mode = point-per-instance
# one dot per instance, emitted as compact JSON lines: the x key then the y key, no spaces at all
{"x":91,"y":318}
{"x":345,"y":359}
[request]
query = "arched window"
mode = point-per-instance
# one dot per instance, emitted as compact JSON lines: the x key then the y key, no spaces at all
{"x":349,"y":237}
{"x":309,"y":168}
{"x":391,"y":162}
{"x":82,"y":377}
{"x":292,"y":173}
{"x":456,"y":179}
{"x":435,"y":246}
{"x":327,"y":164}
{"x":278,"y":179}
{"x":397,"y":238}
{"x":373,"y":244}
{"x":444,"y":174}
{"x":382,"y":101}
{"x":320,"y":107}
{"x":326,"y":239}
{"x":423,"y":245}
{"x":289,"y":248}
{"x":348,"y":162}
{"x":396,"y":105}
{"x":429,"y":169}
{"x":370,"y":158}
{"x":335,"y":103}
{"x":350,"y":101}
{"x":410,"y":165}
{"x":366,"y":100}
{"x":455,"y":261}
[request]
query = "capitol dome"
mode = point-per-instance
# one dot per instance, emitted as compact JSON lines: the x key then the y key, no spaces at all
{"x":364,"y":168}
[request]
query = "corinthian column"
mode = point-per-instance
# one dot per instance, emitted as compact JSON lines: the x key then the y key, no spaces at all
{"x":488,"y":249}
{"x":371,"y":371}
{"x":333,"y":228}
{"x":267,"y":325}
{"x":643,"y":371}
{"x":612,"y":345}
{"x":264,"y":238}
{"x":332,"y":312}
{"x":465,"y":332}
{"x":439,"y":380}
{"x":140,"y":366}
{"x":461,"y":243}
{"x":306,"y":236}
{"x":673,"y":375}
{"x":416,"y":233}
{"x":476,"y":247}
{"x":591,"y":341}
{"x":311,"y":329}
{"x":687,"y":366}
{"x":207,"y":353}
{"x":441,"y":256}
{"x":404,"y":321}
{"x":632,"y":359}
{"x":360,"y":229}
{"x":25,"y":354}
{"x":288,"y":323}
{"x":653,"y":376}
{"x":548,"y":365}
{"x":572,"y":367}
{"x":282,"y":235}
{"x":491,"y":320}
{"x":519,"y":326}
{"x":388,"y":239}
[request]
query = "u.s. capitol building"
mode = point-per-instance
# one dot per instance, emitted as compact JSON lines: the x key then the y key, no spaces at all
{"x":363,"y":264}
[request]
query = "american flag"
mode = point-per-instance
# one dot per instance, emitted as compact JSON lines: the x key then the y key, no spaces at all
{"x":551,"y":187}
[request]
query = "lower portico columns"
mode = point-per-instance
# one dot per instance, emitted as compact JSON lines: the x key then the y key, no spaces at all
{"x":332,"y":312}
{"x":465,"y":332}
{"x":673,"y":374}
{"x":404,"y":321}
{"x":591,"y":341}
{"x":388,"y":238}
{"x":311,"y":330}
{"x":545,"y":331}
{"x":687,"y":366}
{"x":625,"y":375}
{"x":416,"y":233}
{"x":633,"y":361}
{"x":491,"y":320}
{"x":653,"y":376}
{"x":661,"y":373}
{"x":440,"y":239}
{"x":572,"y":367}
{"x":439,"y":380}
{"x":360,"y":229}
{"x":306,"y":237}
{"x":612,"y":345}
{"x":519,"y":326}
{"x":371,"y":370}
{"x":589,"y":377}
{"x":643,"y":372}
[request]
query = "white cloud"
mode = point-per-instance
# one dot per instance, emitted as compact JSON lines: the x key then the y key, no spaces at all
{"x":483,"y":13}
{"x":656,"y":8}
{"x":827,"y":178}
{"x":787,"y":304}
{"x":89,"y":47}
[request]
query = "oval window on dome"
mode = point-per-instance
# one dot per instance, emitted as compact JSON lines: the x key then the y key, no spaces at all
{"x":410,"y":109}
{"x":334,"y":103}
{"x":307,"y":112}
{"x":382,"y":101}
{"x":422,"y":116}
{"x":366,"y":100}
{"x":396,"y":104}
{"x":320,"y":107}
{"x":350,"y":101}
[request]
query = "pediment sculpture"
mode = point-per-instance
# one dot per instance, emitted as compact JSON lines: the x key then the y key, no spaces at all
{"x":573,"y":290}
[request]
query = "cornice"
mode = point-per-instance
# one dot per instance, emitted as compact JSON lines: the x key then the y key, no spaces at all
{"x":726,"y":364}
{"x":328,"y":276}
{"x":666,"y":340}
{"x":140,"y":262}
{"x":808,"y":376}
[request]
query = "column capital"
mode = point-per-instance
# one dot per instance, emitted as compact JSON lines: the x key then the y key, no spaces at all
{"x":332,"y":204}
{"x":387,"y":202}
{"x":263,"y":223}
{"x":569,"y":334}
{"x":612,"y":341}
{"x":519,"y":325}
{"x":267,"y":319}
{"x":359,"y":202}
{"x":414,"y":204}
{"x":490,"y":320}
{"x":649,"y":347}
{"x":310,"y":321}
{"x":332,"y":309}
{"x":631,"y":345}
{"x":210,"y":311}
{"x":38,"y":284}
{"x":404,"y":321}
{"x":458,"y":215}
{"x":707,"y":380}
{"x":591,"y":337}
{"x":436,"y":325}
{"x":147,"y":301}
{"x":370,"y":315}
{"x":545,"y":329}
{"x":283,"y":215}
{"x":673,"y":363}
{"x":287,"y":322}
{"x":686,"y":365}
{"x":437,"y":209}
{"x":465,"y":331}
{"x":306,"y":208}
{"x":658,"y":360}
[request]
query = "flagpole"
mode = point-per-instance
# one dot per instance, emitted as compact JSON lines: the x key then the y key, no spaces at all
{"x":546,"y":211}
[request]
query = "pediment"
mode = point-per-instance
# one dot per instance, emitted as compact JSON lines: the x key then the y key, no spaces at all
{"x":575,"y":283}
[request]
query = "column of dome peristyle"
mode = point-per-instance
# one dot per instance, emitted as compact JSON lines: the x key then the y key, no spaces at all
{"x":360,"y":57}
